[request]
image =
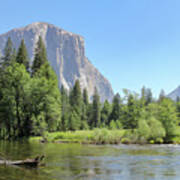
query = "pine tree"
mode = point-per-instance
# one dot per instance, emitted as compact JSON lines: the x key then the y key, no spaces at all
{"x":14,"y":104}
{"x":8,"y":53}
{"x":143,"y":96}
{"x":40,"y":56}
{"x":76,"y":98}
{"x":105,"y":113}
{"x":22,"y":55}
{"x":116,"y":108}
{"x":149,"y":96}
{"x":146,"y":96}
{"x":48,"y":99}
{"x":85,"y":106}
{"x":161,"y":96}
{"x":76,"y":103}
{"x":96,"y":110}
{"x":65,"y":108}
{"x":47,"y":104}
{"x":85,"y":97}
{"x":132,"y":113}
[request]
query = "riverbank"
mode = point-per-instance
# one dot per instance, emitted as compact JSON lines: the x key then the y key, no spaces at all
{"x":101,"y":136}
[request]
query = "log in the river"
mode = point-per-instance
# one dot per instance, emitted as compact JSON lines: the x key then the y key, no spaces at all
{"x":27,"y":162}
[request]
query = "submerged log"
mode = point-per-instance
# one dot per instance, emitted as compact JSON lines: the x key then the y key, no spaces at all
{"x":27,"y":162}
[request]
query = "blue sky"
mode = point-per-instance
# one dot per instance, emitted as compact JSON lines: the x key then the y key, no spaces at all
{"x":132,"y":42}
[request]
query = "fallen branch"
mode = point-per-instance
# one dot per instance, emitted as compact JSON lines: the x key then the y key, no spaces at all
{"x":27,"y":162}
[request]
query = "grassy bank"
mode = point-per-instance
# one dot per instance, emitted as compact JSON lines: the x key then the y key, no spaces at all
{"x":101,"y":136}
{"x":97,"y":136}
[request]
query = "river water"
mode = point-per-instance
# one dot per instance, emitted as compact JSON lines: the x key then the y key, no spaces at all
{"x":90,"y":162}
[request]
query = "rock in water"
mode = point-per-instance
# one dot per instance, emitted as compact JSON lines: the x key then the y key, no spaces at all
{"x":66,"y":55}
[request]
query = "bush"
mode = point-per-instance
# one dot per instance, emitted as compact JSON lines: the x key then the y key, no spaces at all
{"x":157,"y":130}
{"x":151,"y":142}
{"x":125,"y":141}
{"x":112,"y":125}
{"x":159,"y":140}
{"x":143,"y":131}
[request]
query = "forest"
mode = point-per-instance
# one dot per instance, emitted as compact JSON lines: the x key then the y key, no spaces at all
{"x":33,"y":104}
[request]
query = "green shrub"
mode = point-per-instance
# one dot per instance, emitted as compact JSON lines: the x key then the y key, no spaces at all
{"x":159,"y":140}
{"x":125,"y":141}
{"x":151,"y":141}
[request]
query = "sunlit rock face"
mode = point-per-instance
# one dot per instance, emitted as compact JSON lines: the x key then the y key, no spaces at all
{"x":174,"y":95}
{"x":66,"y":55}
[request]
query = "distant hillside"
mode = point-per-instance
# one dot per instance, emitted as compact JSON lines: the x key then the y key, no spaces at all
{"x":174,"y":94}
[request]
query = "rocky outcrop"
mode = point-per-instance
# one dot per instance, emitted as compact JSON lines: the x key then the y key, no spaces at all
{"x":66,"y":55}
{"x":174,"y":94}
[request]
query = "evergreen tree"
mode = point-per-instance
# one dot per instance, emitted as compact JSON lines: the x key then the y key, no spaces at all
{"x":74,"y":121}
{"x":85,"y":106}
{"x":14,"y":103}
{"x":143,"y":96}
{"x":149,"y":96}
{"x":76,"y":103}
{"x":8,"y":53}
{"x":96,"y":110}
{"x":115,"y":114}
{"x":22,"y":55}
{"x":132,"y":113}
{"x":105,"y":113}
{"x":40,"y":56}
{"x":65,"y":108}
{"x":161,"y":96}
{"x":46,"y":97}
{"x":76,"y":98}
{"x":146,"y":96}
{"x":85,"y":97}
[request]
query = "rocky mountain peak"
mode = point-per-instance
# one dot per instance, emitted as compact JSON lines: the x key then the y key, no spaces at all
{"x":174,"y":94}
{"x":66,"y":55}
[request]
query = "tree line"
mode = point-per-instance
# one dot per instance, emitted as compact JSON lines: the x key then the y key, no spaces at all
{"x":31,"y":102}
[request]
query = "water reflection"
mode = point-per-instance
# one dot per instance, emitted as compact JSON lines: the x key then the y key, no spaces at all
{"x":74,"y":161}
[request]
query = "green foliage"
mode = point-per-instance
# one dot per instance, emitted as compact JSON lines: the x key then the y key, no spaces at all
{"x":9,"y":54}
{"x":157,"y":129}
{"x":65,"y":107}
{"x":76,"y":102}
{"x":34,"y":105}
{"x":96,"y":110}
{"x":28,"y":105}
{"x":146,"y":96}
{"x":125,"y":141}
{"x":116,"y":109}
{"x":105,"y":113}
{"x":131,"y":112}
{"x":113,"y":125}
{"x":85,"y":97}
{"x":74,"y":121}
{"x":22,"y":55}
{"x":14,"y":102}
{"x":143,"y":131}
{"x":168,"y":117}
{"x":40,"y":56}
{"x":46,"y":97}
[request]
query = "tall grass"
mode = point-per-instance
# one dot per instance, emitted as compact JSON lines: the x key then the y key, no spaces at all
{"x":96,"y":136}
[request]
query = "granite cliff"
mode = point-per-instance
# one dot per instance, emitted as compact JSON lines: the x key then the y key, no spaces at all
{"x":66,"y":55}
{"x":174,"y":94}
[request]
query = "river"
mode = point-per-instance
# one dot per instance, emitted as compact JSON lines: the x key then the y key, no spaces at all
{"x":90,"y":162}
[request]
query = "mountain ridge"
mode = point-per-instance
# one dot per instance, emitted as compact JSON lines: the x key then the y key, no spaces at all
{"x":66,"y":54}
{"x":174,"y":94}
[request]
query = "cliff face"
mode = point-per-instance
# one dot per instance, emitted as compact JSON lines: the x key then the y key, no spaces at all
{"x":66,"y":55}
{"x":174,"y":94}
